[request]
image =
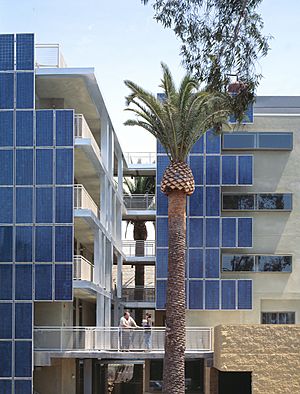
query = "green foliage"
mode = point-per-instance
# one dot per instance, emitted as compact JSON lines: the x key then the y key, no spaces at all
{"x":140,"y":185}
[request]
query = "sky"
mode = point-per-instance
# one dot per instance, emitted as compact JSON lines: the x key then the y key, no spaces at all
{"x":122,"y":41}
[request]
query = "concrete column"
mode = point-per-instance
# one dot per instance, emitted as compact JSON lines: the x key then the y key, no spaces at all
{"x":103,"y":198}
{"x":88,"y":376}
{"x":97,"y":257}
{"x":104,"y":138}
{"x":120,"y":174}
{"x":119,"y":276}
{"x":100,"y":310}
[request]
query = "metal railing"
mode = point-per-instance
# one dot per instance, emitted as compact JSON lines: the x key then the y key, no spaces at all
{"x":140,"y":201}
{"x":138,"y":293}
{"x":49,"y":55}
{"x":82,"y":130}
{"x":115,"y":339}
{"x":138,"y":248}
{"x":83,"y":269}
{"x":82,"y":200}
{"x":140,"y":158}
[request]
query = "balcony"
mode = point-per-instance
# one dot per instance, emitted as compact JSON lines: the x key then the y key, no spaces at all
{"x":82,"y":200}
{"x":140,"y":201}
{"x":83,"y":131}
{"x":83,"y":269}
{"x":138,"y":248}
{"x":49,"y":56}
{"x":138,"y":293}
{"x":140,"y":163}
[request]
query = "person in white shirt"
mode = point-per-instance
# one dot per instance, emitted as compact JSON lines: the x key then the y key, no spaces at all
{"x":126,"y":324}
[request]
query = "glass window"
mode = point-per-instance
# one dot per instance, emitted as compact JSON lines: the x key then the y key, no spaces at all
{"x":6,"y":354}
{"x":5,"y":322}
{"x":64,"y":205}
{"x":195,"y":235}
{"x":5,"y":282}
{"x":198,"y":146}
{"x":23,"y":386}
{"x":245,"y":170}
{"x":228,"y":294}
{"x":6,"y":198}
{"x":228,"y":170}
{"x":44,"y":128}
{"x":161,"y":232}
{"x":24,"y":196}
{"x":212,"y":232}
{"x":25,"y":87}
{"x":238,"y":202}
{"x":161,"y":202}
{"x":213,"y":142}
{"x":63,"y":281}
{"x":275,"y":141}
{"x":64,"y":243}
{"x":44,"y":166}
{"x":64,"y":128}
{"x":196,"y":202}
{"x":212,"y":263}
{"x":162,"y":163}
{"x":24,"y":128}
{"x":25,"y":51}
{"x":6,"y":90}
{"x":24,"y":244}
{"x":274,"y":263}
{"x":232,"y":262}
{"x":239,"y":140}
{"x":196,"y":164}
{"x":196,"y":263}
{"x":245,"y":232}
{"x":43,"y":281}
{"x":212,"y":201}
{"x":196,"y":294}
{"x":6,"y":52}
{"x":43,"y":243}
{"x":6,"y":128}
{"x":212,"y":294}
{"x":161,"y":263}
{"x":44,"y":205}
{"x":244,"y":294}
{"x":24,"y":167}
{"x":212,"y":170}
{"x":64,"y":167}
{"x":6,"y":237}
{"x":6,"y":165}
{"x":23,"y":322}
{"x":161,"y":294}
{"x":278,"y":318}
{"x":274,"y":201}
{"x":23,"y":359}
{"x":23,"y":286}
{"x":228,"y":232}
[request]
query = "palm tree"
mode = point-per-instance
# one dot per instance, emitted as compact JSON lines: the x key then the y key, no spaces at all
{"x":177,"y":122}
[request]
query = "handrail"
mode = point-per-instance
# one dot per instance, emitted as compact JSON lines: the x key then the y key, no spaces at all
{"x":83,"y":269}
{"x":138,"y":248}
{"x":82,"y":200}
{"x":138,"y":293}
{"x":139,"y":201}
{"x":140,"y":158}
{"x":49,"y":55}
{"x":82,"y":130}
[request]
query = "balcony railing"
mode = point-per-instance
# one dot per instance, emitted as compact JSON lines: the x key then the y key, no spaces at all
{"x":49,"y":55}
{"x":140,"y":158}
{"x":140,"y":201}
{"x":114,"y":339}
{"x":83,"y":269}
{"x":138,"y":248}
{"x":138,"y":293}
{"x":82,"y":200}
{"x":82,"y":130}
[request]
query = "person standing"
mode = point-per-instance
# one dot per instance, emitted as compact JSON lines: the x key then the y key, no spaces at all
{"x":126,"y":325}
{"x":147,"y":325}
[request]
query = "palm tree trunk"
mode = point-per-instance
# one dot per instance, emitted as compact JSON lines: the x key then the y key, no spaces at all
{"x":174,"y":380}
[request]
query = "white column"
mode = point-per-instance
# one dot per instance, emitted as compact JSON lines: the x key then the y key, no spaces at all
{"x":104,"y":138}
{"x":97,"y":256}
{"x":119,"y":276}
{"x":100,"y":318}
{"x":120,"y":174}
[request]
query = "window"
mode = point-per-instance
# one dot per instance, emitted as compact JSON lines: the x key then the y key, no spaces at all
{"x":238,"y":202}
{"x":278,"y":318}
{"x":256,"y":263}
{"x":257,"y":202}
{"x":274,"y":201}
{"x":258,"y":140}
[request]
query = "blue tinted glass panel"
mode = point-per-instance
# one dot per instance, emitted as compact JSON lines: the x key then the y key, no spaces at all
{"x":212,"y":290}
{"x":212,"y":232}
{"x":6,"y":237}
{"x":24,"y":244}
{"x":161,"y":202}
{"x":23,"y":387}
{"x":24,"y":167}
{"x":5,"y":322}
{"x":228,"y":294}
{"x":44,"y":128}
{"x":198,"y":146}
{"x":196,"y":263}
{"x":195,"y":235}
{"x":212,"y":263}
{"x":43,"y":281}
{"x":212,"y":201}
{"x":5,"y":354}
{"x":64,"y":128}
{"x":44,"y":205}
{"x":43,"y":243}
{"x":196,"y":164}
{"x":245,"y":170}
{"x":25,"y":86}
{"x":64,"y":166}
{"x":23,"y":359}
{"x":213,"y":142}
{"x":44,"y":166}
{"x":196,"y":202}
{"x":63,"y":243}
{"x":159,"y":147}
{"x":6,"y":52}
{"x":24,"y":128}
{"x":228,"y":170}
{"x":5,"y":282}
{"x":195,"y":294}
{"x":212,"y":170}
{"x":161,"y":232}
{"x":244,"y":294}
{"x":275,"y":141}
{"x":64,"y":205}
{"x":161,"y":294}
{"x":23,"y":288}
{"x":161,"y":263}
{"x":63,"y":282}
{"x":23,"y":323}
{"x":6,"y":91}
{"x":5,"y":386}
{"x":6,"y":165}
{"x":25,"y":51}
{"x":238,"y":140}
{"x":162,"y":163}
{"x":24,"y":196}
{"x":6,"y":198}
{"x":245,"y":232}
{"x":6,"y":128}
{"x":228,"y":232}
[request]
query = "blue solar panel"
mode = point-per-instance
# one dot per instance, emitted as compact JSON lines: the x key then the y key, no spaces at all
{"x":44,"y":205}
{"x":161,"y":263}
{"x":212,"y":170}
{"x":196,"y":164}
{"x":25,"y":51}
{"x":23,"y":359}
{"x":24,"y":128}
{"x":196,"y":294}
{"x":161,"y":294}
{"x":43,"y":244}
{"x":196,"y":202}
{"x":228,"y":232}
{"x":6,"y":52}
{"x":6,"y":128}
{"x":195,"y":233}
{"x":212,"y":263}
{"x":6,"y":238}
{"x":25,"y":90}
{"x":63,"y":244}
{"x":6,"y":198}
{"x":44,"y":166}
{"x":196,"y":263}
{"x":228,"y":294}
{"x":6,"y":354}
{"x":198,"y":147}
{"x":5,"y":322}
{"x":24,"y":244}
{"x":212,"y":294}
{"x":212,"y":201}
{"x":6,"y":386}
{"x":161,"y":203}
{"x":63,"y":282}
{"x":23,"y":282}
{"x":245,"y":170}
{"x":23,"y":322}
{"x":228,"y":170}
{"x":64,"y":205}
{"x":24,"y":167}
{"x":44,"y":128}
{"x":5,"y":282}
{"x":23,"y":386}
{"x":64,"y":167}
{"x":244,"y":294}
{"x":212,"y":226}
{"x":213,"y":142}
{"x":6,"y":91}
{"x":24,"y":205}
{"x":245,"y":232}
{"x":6,"y":165}
{"x":64,"y":128}
{"x":162,"y":163}
{"x":43,"y":282}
